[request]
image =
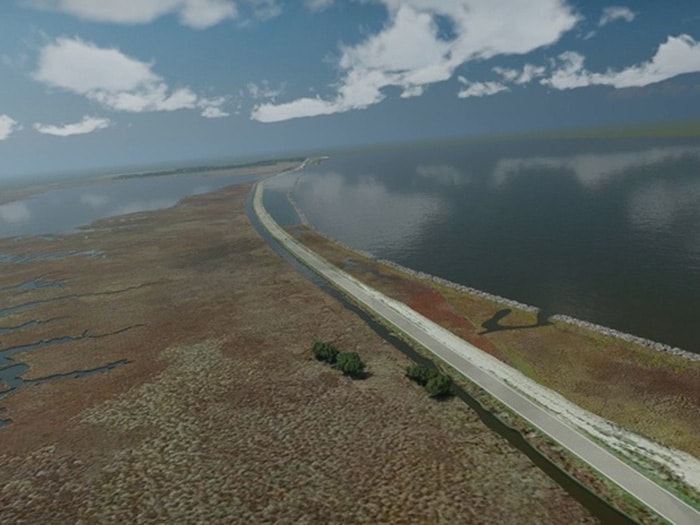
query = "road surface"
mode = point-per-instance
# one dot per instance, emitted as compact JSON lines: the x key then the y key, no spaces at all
{"x":459,"y":354}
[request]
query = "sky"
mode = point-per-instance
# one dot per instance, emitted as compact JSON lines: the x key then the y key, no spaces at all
{"x":116,"y":85}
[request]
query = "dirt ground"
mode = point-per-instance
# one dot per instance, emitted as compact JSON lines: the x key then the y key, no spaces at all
{"x":213,"y":410}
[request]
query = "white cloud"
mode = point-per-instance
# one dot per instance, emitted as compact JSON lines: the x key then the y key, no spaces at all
{"x":112,"y":79}
{"x":318,"y":5}
{"x":412,"y":91}
{"x":307,"y":107}
{"x":362,"y":89}
{"x":616,"y":12}
{"x":677,"y":56}
{"x":14,"y":212}
{"x":569,"y":73}
{"x":87,"y":125}
{"x":263,"y":90}
{"x":211,"y":107}
{"x":410,"y":53}
{"x":198,"y":14}
{"x":528,"y":73}
{"x":264,"y":9}
{"x":479,"y":89}
{"x":8,"y":126}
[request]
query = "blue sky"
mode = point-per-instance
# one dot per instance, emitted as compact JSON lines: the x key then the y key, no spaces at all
{"x":97,"y":85}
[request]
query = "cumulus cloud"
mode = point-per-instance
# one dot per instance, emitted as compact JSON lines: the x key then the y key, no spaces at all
{"x":113,"y":79}
{"x":677,"y":56}
{"x":212,"y":107}
{"x":263,"y":90}
{"x":87,"y":125}
{"x":616,"y":12}
{"x":479,"y":89}
{"x":411,"y":53}
{"x":264,"y":9}
{"x":198,"y":14}
{"x":520,"y":76}
{"x":8,"y":126}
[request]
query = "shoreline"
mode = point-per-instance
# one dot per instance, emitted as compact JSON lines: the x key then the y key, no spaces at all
{"x":497,"y":375}
{"x":574,"y":321}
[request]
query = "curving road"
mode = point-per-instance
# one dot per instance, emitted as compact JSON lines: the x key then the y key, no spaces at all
{"x":461,"y":356}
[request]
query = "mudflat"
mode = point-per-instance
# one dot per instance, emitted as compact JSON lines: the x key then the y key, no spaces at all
{"x":163,"y":374}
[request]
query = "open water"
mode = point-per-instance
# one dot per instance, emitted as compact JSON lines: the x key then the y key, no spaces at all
{"x":604,"y":230}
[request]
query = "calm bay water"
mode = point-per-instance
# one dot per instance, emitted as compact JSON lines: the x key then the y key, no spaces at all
{"x":62,"y":210}
{"x":605,"y":230}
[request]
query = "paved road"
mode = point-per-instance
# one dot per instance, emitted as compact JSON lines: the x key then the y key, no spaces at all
{"x":455,"y":352}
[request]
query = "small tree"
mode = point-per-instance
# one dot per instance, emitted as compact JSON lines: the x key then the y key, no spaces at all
{"x":440,"y":385}
{"x":421,"y":374}
{"x":435,"y":383}
{"x":350,"y":364}
{"x":325,"y":352}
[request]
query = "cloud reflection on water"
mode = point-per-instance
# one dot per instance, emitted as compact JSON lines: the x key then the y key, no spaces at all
{"x":592,"y":170}
{"x":15,"y":212}
{"x":443,"y":174}
{"x":364,"y":212}
{"x":94,"y":200}
{"x":144,"y":205}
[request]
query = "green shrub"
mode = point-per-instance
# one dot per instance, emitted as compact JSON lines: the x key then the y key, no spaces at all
{"x":440,"y":385}
{"x":421,"y":374}
{"x":435,"y":383}
{"x":325,"y":352}
{"x":350,"y":364}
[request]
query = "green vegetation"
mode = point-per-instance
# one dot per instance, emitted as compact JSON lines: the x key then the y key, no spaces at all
{"x":325,"y":352}
{"x":349,"y":363}
{"x":436,"y":383}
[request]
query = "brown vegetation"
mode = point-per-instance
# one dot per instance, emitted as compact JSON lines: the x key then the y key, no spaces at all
{"x":221,"y":414}
{"x":648,"y":391}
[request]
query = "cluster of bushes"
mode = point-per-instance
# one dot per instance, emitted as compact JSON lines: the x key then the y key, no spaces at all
{"x":436,"y":383}
{"x":349,"y":363}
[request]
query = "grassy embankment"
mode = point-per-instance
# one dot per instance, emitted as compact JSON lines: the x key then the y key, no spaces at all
{"x":647,"y":391}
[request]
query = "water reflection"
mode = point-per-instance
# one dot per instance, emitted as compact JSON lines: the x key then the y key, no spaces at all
{"x":364,"y":210}
{"x":14,"y":212}
{"x":593,"y":169}
{"x":94,"y":200}
{"x":143,"y":205}
{"x":443,"y":174}
{"x":604,"y":230}
{"x":62,"y":210}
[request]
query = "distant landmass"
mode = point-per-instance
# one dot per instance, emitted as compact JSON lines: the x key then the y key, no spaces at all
{"x":199,"y":169}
